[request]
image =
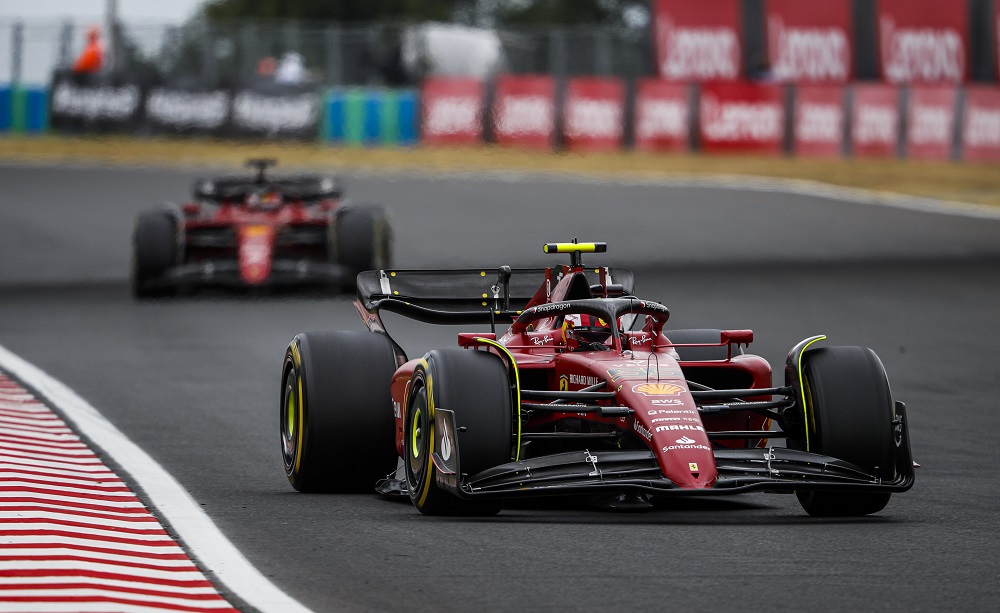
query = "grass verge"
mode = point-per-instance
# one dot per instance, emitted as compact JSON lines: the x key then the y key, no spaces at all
{"x":974,"y":183}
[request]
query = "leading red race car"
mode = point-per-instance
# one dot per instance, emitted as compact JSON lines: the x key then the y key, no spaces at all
{"x":259,"y":230}
{"x":585,"y":393}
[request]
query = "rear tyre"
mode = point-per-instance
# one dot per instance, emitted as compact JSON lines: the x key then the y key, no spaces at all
{"x":475,"y":386}
{"x":155,"y":249}
{"x":850,"y":411}
{"x":336,"y":419}
{"x":363,"y":238}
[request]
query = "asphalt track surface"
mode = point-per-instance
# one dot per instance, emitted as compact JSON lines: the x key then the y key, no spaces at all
{"x":194,"y":382}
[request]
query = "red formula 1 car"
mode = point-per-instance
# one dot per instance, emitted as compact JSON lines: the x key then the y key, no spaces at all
{"x":259,"y":230}
{"x":586,"y":393}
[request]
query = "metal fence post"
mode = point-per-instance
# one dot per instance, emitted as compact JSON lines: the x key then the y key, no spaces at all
{"x":334,"y":61}
{"x":249,"y":55}
{"x":557,"y":53}
{"x":602,"y":53}
{"x":209,"y":71}
{"x":66,"y":44}
{"x":16,"y":50}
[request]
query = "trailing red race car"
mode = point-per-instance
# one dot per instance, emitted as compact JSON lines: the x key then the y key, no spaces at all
{"x":259,"y":230}
{"x":585,"y":393}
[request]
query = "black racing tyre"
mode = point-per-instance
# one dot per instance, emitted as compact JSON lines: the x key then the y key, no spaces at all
{"x":850,"y":411}
{"x":475,"y":385}
{"x":155,"y":250}
{"x":700,"y":335}
{"x":363,"y":237}
{"x":336,"y":418}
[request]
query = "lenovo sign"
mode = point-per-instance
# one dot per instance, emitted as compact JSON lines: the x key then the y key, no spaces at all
{"x":662,"y":115}
{"x":923,"y":41}
{"x":698,"y":40}
{"x":524,"y":111}
{"x":593,"y":115}
{"x":981,"y":124}
{"x":809,"y":41}
{"x":742,"y":117}
{"x":875,"y":125}
{"x":819,"y":120}
{"x":930,"y":122}
{"x":452,"y":111}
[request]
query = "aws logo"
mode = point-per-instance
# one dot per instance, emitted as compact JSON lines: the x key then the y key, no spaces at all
{"x":659,"y":389}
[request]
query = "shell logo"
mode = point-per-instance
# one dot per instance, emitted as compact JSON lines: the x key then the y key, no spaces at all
{"x":659,"y":389}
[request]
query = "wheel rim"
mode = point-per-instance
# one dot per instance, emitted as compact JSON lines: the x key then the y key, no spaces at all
{"x":417,"y":439}
{"x":290,"y":419}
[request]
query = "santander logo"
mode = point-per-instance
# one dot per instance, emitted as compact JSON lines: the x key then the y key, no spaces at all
{"x":724,"y":121}
{"x":697,"y":53}
{"x":812,"y":54}
{"x":921,"y":54}
{"x":453,"y":115}
{"x":525,"y":115}
{"x":593,"y":117}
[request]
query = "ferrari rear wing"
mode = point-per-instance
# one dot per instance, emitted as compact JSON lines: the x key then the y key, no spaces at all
{"x":462,"y":296}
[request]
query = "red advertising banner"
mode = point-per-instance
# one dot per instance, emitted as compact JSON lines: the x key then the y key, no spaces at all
{"x":875,"y":121}
{"x":923,"y":41}
{"x":809,"y":41}
{"x":742,"y":117}
{"x":594,"y":114}
{"x":452,"y":111}
{"x":819,"y":121}
{"x":930,"y":122}
{"x":524,"y":111}
{"x":698,"y":40}
{"x":981,"y":124}
{"x":996,"y":32}
{"x":662,"y":116}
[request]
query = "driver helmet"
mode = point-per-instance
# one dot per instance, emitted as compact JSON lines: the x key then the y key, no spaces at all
{"x":584,"y":328}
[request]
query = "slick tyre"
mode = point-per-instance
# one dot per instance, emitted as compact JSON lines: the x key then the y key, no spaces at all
{"x":363,"y":238}
{"x":155,"y":249}
{"x":849,"y":410}
{"x":336,"y":418}
{"x":476,"y":387}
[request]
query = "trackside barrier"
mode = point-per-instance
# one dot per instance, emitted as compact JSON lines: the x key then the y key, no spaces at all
{"x":369,"y":117}
{"x":24,"y":110}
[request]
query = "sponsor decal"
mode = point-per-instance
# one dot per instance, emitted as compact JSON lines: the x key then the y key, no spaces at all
{"x":921,"y":53}
{"x":180,"y":109}
{"x":661,"y":118}
{"x":451,"y":115}
{"x":526,"y":115}
{"x":397,"y":409}
{"x":637,"y":370}
{"x":563,"y":383}
{"x":543,"y":340}
{"x":672,"y":412}
{"x":593,"y":118}
{"x":445,"y":442}
{"x":690,"y":53}
{"x":666,"y":402}
{"x":641,"y":431}
{"x":819,"y":123}
{"x":272,"y":114}
{"x":95,"y":103}
{"x":687,"y":419}
{"x":669,"y":448}
{"x":800,"y":53}
{"x":684,"y":441}
{"x":584,"y":380}
{"x":546,"y":308}
{"x":693,"y":467}
{"x":982,"y":126}
{"x":678,"y":427}
{"x":659,"y":389}
{"x":737,"y":121}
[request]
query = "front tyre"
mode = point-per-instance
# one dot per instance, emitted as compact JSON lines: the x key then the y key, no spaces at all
{"x":363,"y":237}
{"x":850,"y":415}
{"x":155,"y":250}
{"x":336,"y":419}
{"x":475,"y":386}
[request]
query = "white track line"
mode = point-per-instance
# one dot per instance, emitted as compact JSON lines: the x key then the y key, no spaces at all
{"x":171,"y":501}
